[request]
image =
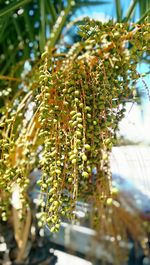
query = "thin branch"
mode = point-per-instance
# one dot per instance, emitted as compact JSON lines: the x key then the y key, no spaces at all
{"x":4,"y":77}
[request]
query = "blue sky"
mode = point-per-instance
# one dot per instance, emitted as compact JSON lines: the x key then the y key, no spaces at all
{"x":108,"y":9}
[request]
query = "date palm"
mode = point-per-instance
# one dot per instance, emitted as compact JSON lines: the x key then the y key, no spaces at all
{"x":26,"y":27}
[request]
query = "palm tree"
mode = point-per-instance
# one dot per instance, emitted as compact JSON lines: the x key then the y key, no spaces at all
{"x":26,"y":25}
{"x":26,"y":28}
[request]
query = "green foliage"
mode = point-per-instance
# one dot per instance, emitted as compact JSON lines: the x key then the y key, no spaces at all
{"x":74,"y":101}
{"x":76,"y":104}
{"x":25,"y":26}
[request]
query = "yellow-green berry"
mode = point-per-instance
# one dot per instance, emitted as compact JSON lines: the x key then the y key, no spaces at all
{"x":84,"y":157}
{"x":85,"y":174}
{"x":109,"y":201}
{"x":87,"y":146}
{"x":74,"y":161}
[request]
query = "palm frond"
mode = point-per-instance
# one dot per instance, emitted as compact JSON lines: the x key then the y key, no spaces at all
{"x":118,"y":10}
{"x":42,"y":34}
{"x":91,"y":3}
{"x":61,"y":20}
{"x":146,"y":14}
{"x":12,"y":7}
{"x":130,"y":11}
{"x":144,"y":7}
{"x":52,"y":11}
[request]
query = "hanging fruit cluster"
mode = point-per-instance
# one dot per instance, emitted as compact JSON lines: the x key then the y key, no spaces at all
{"x":82,"y":104}
{"x":79,"y":101}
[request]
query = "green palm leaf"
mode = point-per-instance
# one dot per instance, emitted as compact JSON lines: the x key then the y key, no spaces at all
{"x":12,"y":7}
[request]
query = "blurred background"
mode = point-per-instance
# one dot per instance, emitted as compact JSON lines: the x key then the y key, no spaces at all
{"x":26,"y":26}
